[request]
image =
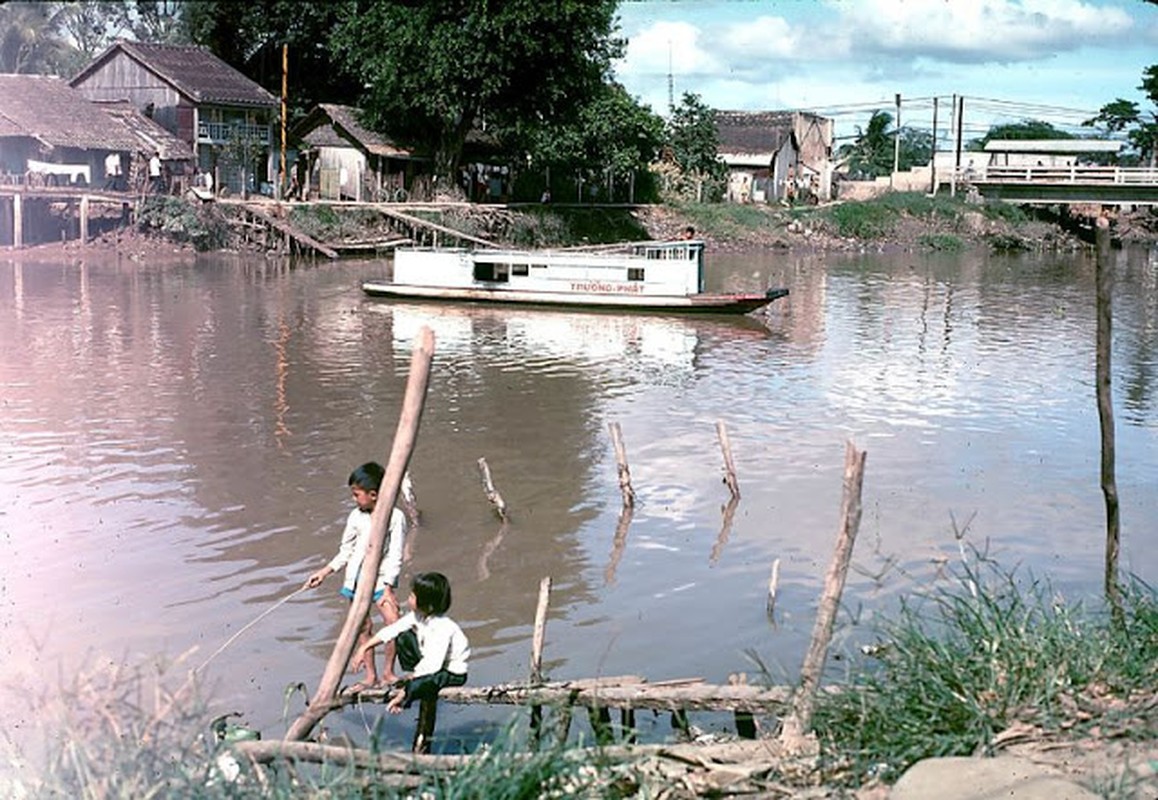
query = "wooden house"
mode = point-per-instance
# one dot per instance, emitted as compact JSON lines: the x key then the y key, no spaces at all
{"x":51,"y":134}
{"x":340,"y":159}
{"x":226,"y":118}
{"x":775,"y":155}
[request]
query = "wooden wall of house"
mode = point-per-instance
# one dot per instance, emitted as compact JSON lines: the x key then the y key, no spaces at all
{"x":122,"y":78}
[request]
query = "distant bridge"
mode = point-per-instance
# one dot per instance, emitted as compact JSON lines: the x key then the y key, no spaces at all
{"x":1060,"y":184}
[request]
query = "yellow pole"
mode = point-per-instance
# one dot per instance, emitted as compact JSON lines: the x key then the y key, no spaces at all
{"x":284,"y":74}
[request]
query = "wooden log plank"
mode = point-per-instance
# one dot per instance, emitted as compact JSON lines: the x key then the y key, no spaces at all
{"x":284,"y":227}
{"x":702,"y":697}
{"x":422,"y":224}
{"x":409,"y":419}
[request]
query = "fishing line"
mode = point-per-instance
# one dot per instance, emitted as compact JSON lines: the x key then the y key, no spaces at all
{"x":256,"y":620}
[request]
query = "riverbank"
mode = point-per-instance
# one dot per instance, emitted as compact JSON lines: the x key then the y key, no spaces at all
{"x":900,"y":222}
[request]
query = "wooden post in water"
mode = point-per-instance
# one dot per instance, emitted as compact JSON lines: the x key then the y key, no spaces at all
{"x":621,"y":461}
{"x":773,"y":587}
{"x":408,"y":422}
{"x":1105,"y":285}
{"x":492,"y":493}
{"x":84,"y":210}
{"x":799,"y":720}
{"x":537,"y":638}
{"x":17,"y":220}
{"x":424,"y":731}
{"x":729,"y":465}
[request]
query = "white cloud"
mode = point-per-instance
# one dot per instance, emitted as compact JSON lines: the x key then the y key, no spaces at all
{"x":988,"y":31}
{"x":774,"y":54}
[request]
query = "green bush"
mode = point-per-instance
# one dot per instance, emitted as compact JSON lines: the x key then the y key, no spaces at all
{"x":943,"y":242}
{"x":863,"y":220}
{"x":183,"y":222}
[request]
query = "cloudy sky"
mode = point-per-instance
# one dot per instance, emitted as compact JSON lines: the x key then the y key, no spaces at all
{"x":1054,"y":60}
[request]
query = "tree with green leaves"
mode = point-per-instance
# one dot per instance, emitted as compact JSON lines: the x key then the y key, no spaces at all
{"x":435,"y":71}
{"x":871,"y":154}
{"x":612,"y":137}
{"x":249,"y":37}
{"x":875,"y":151}
{"x":1126,"y":115}
{"x":693,"y":145}
{"x":33,"y":39}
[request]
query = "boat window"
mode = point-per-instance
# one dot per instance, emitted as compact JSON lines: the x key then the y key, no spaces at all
{"x":492,"y":273}
{"x":635,"y":273}
{"x":520,"y":269}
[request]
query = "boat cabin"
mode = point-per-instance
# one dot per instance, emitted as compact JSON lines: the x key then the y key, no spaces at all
{"x":662,"y":268}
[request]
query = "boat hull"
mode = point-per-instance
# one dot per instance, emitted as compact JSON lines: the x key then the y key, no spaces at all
{"x":697,"y":303}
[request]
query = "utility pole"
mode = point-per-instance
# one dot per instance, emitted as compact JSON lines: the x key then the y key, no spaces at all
{"x":284,"y":91}
{"x":933,"y":153}
{"x":896,"y":142}
{"x":670,"y":83}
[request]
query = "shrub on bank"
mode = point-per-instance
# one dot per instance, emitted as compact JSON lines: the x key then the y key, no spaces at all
{"x":178,"y":220}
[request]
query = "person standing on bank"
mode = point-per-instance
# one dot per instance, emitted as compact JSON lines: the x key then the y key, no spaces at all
{"x":364,"y":483}
{"x":430,"y":644}
{"x":155,"y":183}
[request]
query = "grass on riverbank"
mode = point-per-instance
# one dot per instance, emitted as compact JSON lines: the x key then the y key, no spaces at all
{"x":958,"y":672}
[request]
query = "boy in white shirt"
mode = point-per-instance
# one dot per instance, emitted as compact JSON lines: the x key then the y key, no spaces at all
{"x":364,"y":483}
{"x":430,"y":644}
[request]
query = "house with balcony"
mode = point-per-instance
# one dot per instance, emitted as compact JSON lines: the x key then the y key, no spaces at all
{"x":227,"y":119}
{"x":775,"y":155}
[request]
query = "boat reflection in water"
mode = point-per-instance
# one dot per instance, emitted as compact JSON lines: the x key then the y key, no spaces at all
{"x":628,"y":344}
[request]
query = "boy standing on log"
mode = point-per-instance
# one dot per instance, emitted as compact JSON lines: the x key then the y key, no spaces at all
{"x":430,"y":644}
{"x":364,"y":483}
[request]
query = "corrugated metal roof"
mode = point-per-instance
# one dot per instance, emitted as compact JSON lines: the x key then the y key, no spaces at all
{"x":1053,"y":146}
{"x":193,"y":71}
{"x":46,"y":108}
{"x":150,"y":135}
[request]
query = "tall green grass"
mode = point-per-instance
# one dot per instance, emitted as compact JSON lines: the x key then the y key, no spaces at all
{"x":961,"y":665}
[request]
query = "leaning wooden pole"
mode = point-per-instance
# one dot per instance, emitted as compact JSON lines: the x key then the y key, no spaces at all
{"x":1105,"y":284}
{"x":800,"y":720}
{"x":621,"y":461}
{"x":496,"y":499}
{"x":729,"y":464}
{"x":408,"y":422}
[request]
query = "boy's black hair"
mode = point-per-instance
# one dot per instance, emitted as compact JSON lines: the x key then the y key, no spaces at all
{"x":367,"y":477}
{"x":431,"y":593}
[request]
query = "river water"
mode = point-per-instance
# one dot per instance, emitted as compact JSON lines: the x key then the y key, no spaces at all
{"x":175,"y":440}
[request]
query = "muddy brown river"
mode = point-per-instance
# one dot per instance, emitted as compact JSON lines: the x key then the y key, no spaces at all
{"x":175,"y":439}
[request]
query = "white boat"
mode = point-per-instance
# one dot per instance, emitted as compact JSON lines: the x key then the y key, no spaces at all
{"x":667,"y":276}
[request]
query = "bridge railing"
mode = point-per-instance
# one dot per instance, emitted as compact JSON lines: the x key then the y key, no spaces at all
{"x":1058,"y":174}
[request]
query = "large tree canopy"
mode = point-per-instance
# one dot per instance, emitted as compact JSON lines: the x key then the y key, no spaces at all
{"x":433,"y":71}
{"x":249,"y":36}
